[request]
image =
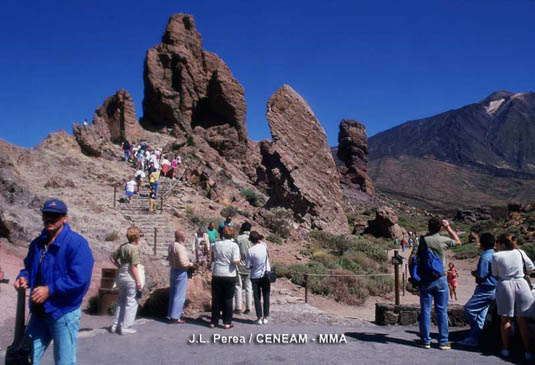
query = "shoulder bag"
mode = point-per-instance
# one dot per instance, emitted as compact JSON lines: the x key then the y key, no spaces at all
{"x":271,"y":275}
{"x":526,"y":276}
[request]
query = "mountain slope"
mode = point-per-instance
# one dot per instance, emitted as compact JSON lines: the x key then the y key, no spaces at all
{"x":489,"y":139}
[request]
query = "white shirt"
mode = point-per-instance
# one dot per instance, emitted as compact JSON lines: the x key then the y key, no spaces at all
{"x":257,"y":259}
{"x":225,"y":252}
{"x":166,"y":162}
{"x":507,"y":265}
{"x":140,"y":173}
{"x":131,"y":186}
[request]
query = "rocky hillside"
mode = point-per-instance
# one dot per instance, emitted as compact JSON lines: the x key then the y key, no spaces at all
{"x":481,"y":153}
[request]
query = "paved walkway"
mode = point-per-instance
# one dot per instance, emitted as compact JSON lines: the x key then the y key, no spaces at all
{"x":157,"y":342}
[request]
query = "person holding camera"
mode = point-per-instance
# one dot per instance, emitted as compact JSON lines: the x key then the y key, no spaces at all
{"x":178,"y":277}
{"x":126,"y":258}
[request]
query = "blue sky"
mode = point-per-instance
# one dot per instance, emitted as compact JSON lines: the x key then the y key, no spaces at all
{"x":379,"y":62}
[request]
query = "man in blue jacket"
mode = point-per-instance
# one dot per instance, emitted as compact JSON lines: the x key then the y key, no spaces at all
{"x":57,"y":270}
{"x":477,"y":307}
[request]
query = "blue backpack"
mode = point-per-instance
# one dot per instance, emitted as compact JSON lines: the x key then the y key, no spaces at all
{"x":426,"y":266}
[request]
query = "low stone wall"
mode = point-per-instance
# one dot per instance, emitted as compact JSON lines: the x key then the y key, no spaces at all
{"x":405,"y":315}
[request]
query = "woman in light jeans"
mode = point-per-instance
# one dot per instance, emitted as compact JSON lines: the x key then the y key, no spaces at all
{"x":126,"y":258}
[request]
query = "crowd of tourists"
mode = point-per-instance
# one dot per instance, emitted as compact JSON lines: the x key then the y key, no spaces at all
{"x":239,"y":264}
{"x":59,"y":263}
{"x":148,"y":162}
{"x":501,"y":280}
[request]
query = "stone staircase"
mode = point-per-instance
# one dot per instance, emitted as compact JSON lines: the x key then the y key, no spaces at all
{"x":150,"y":223}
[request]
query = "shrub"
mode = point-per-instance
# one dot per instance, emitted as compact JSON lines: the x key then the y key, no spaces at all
{"x":256,"y":200}
{"x":92,"y":305}
{"x":529,"y":248}
{"x":275,"y":238}
{"x":466,"y":251}
{"x":482,"y":226}
{"x":112,"y":236}
{"x":229,"y":211}
{"x":190,"y":142}
{"x":279,"y":220}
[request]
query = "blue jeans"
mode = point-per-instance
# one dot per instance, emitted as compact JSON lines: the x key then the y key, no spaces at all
{"x":126,"y":155}
{"x":477,"y":307}
{"x":64,"y":332}
{"x":155,"y":185}
{"x":437,"y":290}
{"x":178,"y":283}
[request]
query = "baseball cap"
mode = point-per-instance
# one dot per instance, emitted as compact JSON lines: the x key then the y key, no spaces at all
{"x":54,"y":206}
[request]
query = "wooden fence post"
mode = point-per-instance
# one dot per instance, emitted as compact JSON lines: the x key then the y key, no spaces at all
{"x":306,"y":287}
{"x":155,"y":240}
{"x":396,"y":260}
{"x":114,"y":196}
{"x":161,"y":204}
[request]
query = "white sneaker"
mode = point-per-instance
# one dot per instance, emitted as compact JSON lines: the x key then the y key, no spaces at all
{"x":259,"y":321}
{"x":126,"y":331}
{"x":265,"y":321}
{"x":113,"y":329}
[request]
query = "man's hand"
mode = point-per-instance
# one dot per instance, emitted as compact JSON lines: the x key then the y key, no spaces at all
{"x":21,"y":283}
{"x":40,"y":294}
{"x":445,"y":223}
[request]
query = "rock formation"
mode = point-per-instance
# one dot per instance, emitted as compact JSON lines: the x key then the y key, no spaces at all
{"x":353,"y":151}
{"x":190,"y":90}
{"x":113,"y":121}
{"x":298,"y":169}
{"x":386,"y":224}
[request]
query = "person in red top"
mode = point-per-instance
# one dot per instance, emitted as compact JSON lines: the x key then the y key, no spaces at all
{"x":452,"y":280}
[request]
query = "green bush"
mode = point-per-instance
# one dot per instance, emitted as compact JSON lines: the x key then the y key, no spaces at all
{"x":482,"y":226}
{"x":190,"y":142}
{"x":229,"y":211}
{"x":466,"y":251}
{"x":275,"y":238}
{"x":256,"y":200}
{"x":92,"y":305}
{"x":112,"y":236}
{"x":279,"y":220}
{"x":529,"y":248}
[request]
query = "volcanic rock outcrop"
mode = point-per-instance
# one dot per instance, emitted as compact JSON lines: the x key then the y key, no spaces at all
{"x":298,"y":168}
{"x":386,"y":224}
{"x":189,"y":90}
{"x":353,"y":151}
{"x":113,"y":121}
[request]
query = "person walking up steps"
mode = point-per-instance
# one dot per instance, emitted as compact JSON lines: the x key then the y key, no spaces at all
{"x":152,"y":199}
{"x":129,"y":189}
{"x":436,"y":289}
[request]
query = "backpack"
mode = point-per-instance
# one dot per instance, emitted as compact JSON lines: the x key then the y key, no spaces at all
{"x":426,"y":266}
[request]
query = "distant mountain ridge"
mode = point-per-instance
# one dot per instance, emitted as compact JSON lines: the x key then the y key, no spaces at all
{"x":495,"y":135}
{"x":481,"y":153}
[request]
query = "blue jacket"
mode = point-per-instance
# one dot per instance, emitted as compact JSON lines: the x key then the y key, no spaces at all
{"x":484,"y":272}
{"x":66,"y":269}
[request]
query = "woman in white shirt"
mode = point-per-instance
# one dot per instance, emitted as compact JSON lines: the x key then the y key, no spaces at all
{"x":258,"y":261}
{"x":226,"y":255}
{"x":513,"y":295}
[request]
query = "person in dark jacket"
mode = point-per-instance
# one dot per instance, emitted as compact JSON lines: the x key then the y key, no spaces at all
{"x":57,"y":270}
